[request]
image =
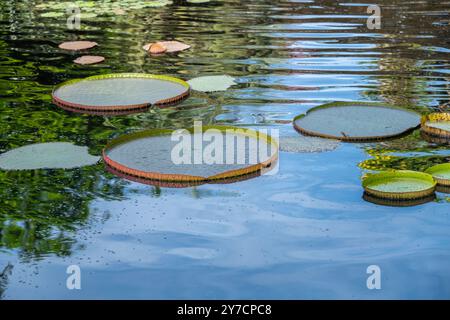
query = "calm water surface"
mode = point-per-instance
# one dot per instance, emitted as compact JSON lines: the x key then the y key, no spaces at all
{"x":302,"y":233}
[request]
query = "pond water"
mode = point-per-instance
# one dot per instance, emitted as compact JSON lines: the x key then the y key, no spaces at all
{"x":304,"y":232}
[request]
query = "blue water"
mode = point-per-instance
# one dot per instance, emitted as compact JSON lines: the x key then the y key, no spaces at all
{"x":302,"y":233}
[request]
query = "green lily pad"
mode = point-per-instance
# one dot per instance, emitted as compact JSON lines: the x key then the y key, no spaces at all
{"x":356,"y":121}
{"x":441,"y":173}
{"x":192,"y":156}
{"x":52,"y":155}
{"x":399,"y":185}
{"x":212,"y":83}
{"x":118,"y":92}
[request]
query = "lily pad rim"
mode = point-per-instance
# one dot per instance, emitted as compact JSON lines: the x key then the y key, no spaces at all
{"x":353,"y":138}
{"x":385,"y":176}
{"x":184,"y":177}
{"x":113,"y":108}
{"x":438,"y":117}
{"x":439,"y":168}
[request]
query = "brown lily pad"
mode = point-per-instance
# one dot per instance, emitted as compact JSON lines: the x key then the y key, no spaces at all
{"x":171,"y":46}
{"x":157,"y":48}
{"x":89,"y":60}
{"x":77,"y":45}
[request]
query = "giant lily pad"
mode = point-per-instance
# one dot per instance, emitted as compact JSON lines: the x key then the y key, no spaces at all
{"x":437,"y":124}
{"x":212,"y":83}
{"x":205,"y":155}
{"x":399,"y":185}
{"x":356,"y":121}
{"x":119,"y":92}
{"x":52,"y":155}
{"x":441,"y":173}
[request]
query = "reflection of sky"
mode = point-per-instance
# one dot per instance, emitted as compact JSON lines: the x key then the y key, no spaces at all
{"x":303,"y":233}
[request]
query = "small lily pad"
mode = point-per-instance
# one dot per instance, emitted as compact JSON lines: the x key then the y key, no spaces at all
{"x":212,"y":83}
{"x":441,"y":173}
{"x":170,"y":46}
{"x":77,"y":45}
{"x":89,"y":60}
{"x":52,"y":155}
{"x":356,"y":121}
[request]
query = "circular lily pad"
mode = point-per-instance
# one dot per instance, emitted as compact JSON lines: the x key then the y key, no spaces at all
{"x":52,"y":155}
{"x":89,"y":60}
{"x":207,"y":155}
{"x":212,"y":83}
{"x":440,"y":173}
{"x":354,"y":122}
{"x":399,"y":185}
{"x":437,"y":124}
{"x":121,"y":92}
{"x":77,"y":45}
{"x":170,"y":46}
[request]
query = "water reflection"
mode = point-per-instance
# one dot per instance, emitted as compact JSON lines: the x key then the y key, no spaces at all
{"x":269,"y":238}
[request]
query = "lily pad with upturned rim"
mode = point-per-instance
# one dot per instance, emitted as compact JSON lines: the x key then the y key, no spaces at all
{"x":148,"y":155}
{"x":51,"y":155}
{"x":121,"y":92}
{"x":437,"y":124}
{"x":399,"y":185}
{"x":357,"y":122}
{"x":441,"y":173}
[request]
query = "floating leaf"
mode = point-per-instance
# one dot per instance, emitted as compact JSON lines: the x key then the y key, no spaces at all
{"x":77,"y":45}
{"x":89,"y":60}
{"x":155,"y":155}
{"x":52,"y":155}
{"x":399,"y":185}
{"x":119,"y":92}
{"x":356,"y":121}
{"x":307,"y":144}
{"x":212,"y":83}
{"x":441,"y":173}
{"x":171,"y":46}
{"x":437,"y":124}
{"x":157,"y":48}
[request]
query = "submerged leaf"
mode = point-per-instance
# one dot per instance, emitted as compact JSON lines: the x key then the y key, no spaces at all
{"x":212,"y":83}
{"x":52,"y":155}
{"x":307,"y":144}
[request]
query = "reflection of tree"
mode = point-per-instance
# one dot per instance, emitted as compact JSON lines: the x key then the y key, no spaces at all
{"x":41,"y":209}
{"x":7,"y":271}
